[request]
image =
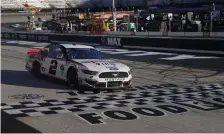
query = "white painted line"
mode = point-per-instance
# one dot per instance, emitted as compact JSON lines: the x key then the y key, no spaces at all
{"x":183,"y":56}
{"x":44,"y":43}
{"x":121,"y":50}
{"x":176,"y":49}
{"x":124,"y":52}
{"x":111,"y":49}
{"x":108,"y":52}
{"x":149,"y":53}
{"x":11,"y":42}
{"x":27,"y":43}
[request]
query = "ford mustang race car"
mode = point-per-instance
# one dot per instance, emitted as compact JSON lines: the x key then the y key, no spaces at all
{"x":78,"y":65}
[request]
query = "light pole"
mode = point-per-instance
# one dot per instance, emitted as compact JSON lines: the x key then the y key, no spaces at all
{"x":211,"y":15}
{"x":64,"y":7}
{"x":114,"y":16}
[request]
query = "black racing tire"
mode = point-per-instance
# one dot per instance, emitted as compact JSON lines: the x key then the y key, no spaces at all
{"x":36,"y":69}
{"x":72,"y":79}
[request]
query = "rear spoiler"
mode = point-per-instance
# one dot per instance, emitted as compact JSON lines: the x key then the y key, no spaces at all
{"x":34,"y":50}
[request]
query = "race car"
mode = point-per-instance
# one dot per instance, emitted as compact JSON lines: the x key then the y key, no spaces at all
{"x":78,"y":65}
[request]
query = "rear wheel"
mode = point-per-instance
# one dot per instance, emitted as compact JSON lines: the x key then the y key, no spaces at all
{"x":36,"y":69}
{"x":72,"y":79}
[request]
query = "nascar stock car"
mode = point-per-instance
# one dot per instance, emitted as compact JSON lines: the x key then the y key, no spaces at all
{"x":79,"y":66}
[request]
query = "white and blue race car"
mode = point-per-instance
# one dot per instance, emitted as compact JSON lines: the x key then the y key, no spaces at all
{"x":78,"y":65}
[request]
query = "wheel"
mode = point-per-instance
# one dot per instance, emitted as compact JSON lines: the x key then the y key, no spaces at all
{"x":72,"y":79}
{"x":36,"y":69}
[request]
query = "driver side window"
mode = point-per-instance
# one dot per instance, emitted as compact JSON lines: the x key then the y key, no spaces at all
{"x":56,"y":52}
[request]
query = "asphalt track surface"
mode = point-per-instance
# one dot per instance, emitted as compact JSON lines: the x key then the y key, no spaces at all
{"x":169,"y":94}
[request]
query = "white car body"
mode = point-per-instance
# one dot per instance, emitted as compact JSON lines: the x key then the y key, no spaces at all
{"x":116,"y":74}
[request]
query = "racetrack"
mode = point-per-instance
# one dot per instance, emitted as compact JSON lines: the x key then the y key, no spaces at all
{"x":167,"y":96}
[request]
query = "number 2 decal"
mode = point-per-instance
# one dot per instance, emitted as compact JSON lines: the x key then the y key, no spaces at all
{"x":53,"y":67}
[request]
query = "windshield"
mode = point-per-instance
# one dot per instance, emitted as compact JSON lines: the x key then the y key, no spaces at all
{"x":84,"y":53}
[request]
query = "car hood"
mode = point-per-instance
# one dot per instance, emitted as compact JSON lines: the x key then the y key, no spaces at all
{"x":102,"y":65}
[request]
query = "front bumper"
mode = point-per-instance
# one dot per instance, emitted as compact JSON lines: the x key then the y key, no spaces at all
{"x":106,"y":84}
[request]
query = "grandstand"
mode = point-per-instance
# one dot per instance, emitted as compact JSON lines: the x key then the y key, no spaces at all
{"x":102,"y":5}
{"x":47,"y":4}
{"x":97,"y":4}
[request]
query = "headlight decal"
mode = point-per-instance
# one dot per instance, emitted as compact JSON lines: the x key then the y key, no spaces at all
{"x":89,"y":72}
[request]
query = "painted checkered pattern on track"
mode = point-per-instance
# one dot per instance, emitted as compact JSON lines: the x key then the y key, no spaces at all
{"x":83,"y":103}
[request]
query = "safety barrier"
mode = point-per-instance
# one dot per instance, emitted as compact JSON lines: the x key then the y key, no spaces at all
{"x":168,"y":34}
{"x":140,"y":42}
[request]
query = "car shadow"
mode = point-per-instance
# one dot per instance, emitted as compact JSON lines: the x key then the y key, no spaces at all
{"x":12,"y":125}
{"x":26,"y":79}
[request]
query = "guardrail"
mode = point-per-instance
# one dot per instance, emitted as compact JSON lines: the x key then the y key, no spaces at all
{"x":168,"y":43}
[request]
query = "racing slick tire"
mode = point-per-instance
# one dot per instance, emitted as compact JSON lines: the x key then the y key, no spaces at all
{"x":72,"y":79}
{"x":36,"y":69}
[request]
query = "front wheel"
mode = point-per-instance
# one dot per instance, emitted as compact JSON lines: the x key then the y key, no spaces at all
{"x":72,"y":79}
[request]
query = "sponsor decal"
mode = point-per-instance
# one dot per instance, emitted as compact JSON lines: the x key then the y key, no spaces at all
{"x":22,"y":36}
{"x":114,"y":79}
{"x":111,"y":66}
{"x":31,"y":37}
{"x":42,"y":38}
{"x":175,"y":102}
{"x":114,"y":41}
{"x":201,"y":105}
{"x":14,"y":36}
{"x":111,"y":41}
{"x":42,"y":69}
{"x":145,"y":103}
{"x":115,"y":74}
{"x":7,"y":36}
{"x":92,"y":118}
{"x":96,"y":61}
{"x":156,"y":111}
{"x":26,"y":96}
{"x":133,"y":114}
{"x":62,"y":67}
{"x":62,"y":72}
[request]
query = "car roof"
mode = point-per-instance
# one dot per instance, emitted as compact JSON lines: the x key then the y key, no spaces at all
{"x":76,"y":46}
